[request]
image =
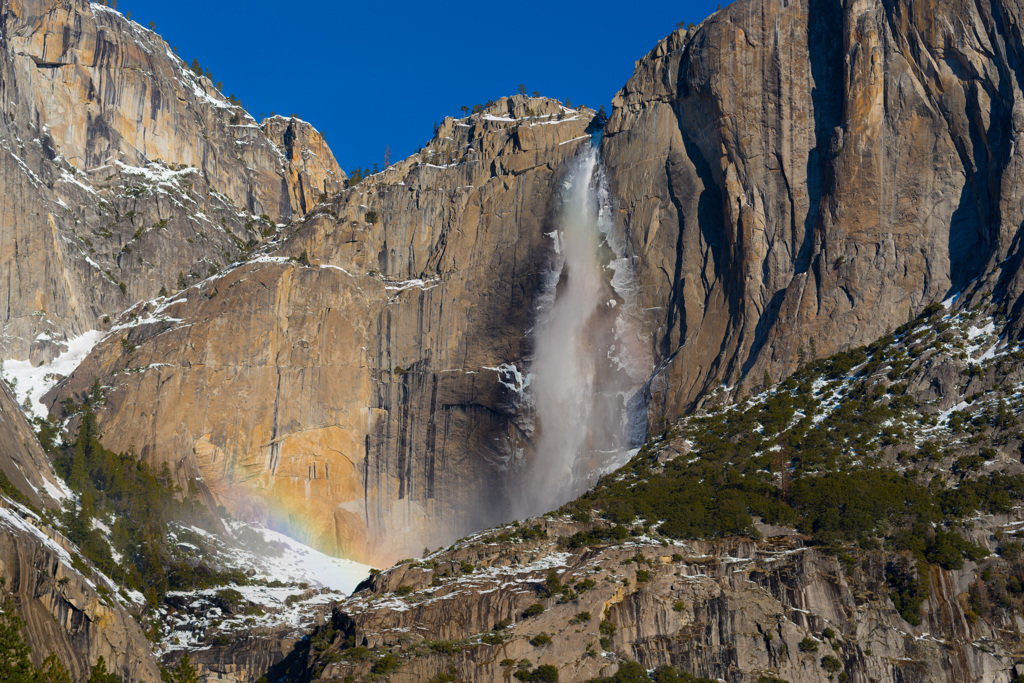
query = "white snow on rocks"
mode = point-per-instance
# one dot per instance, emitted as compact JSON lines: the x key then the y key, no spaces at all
{"x":32,"y":382}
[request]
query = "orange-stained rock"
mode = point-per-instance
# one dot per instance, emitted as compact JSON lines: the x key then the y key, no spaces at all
{"x":355,"y":402}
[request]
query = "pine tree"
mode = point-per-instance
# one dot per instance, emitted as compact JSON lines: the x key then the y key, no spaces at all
{"x":184,"y":672}
{"x":196,"y":68}
{"x":15,"y":665}
{"x":88,"y":503}
{"x":52,"y":670}
{"x":101,"y":675}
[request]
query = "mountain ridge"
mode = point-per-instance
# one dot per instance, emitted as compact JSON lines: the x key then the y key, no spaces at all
{"x":348,"y":360}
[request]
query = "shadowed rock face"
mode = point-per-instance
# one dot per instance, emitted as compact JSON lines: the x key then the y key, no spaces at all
{"x":120,"y":169}
{"x":22,"y":459}
{"x":797,"y":177}
{"x":311,"y":170}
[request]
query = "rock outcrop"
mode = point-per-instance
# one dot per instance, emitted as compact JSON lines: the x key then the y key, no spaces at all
{"x":732,"y":610}
{"x":75,"y":617}
{"x":78,"y":617}
{"x":22,"y":460}
{"x":123,"y":172}
{"x":798,"y":171}
{"x":313,"y":175}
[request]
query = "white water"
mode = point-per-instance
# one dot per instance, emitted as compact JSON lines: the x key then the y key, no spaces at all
{"x":589,"y":361}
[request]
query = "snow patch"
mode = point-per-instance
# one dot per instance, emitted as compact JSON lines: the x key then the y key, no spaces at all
{"x":32,"y":382}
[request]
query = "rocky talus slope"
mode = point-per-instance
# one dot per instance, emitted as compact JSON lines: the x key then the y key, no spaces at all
{"x":68,"y":608}
{"x":794,"y":603}
{"x":122,"y":169}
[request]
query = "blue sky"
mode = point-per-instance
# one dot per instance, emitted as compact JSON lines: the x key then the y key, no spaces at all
{"x":378,"y":74}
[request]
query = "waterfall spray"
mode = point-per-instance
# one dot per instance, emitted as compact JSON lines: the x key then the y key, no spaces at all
{"x":589,"y":361}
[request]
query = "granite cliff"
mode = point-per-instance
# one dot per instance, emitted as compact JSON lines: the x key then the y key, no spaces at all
{"x":123,"y":172}
{"x":348,"y":362}
{"x":821,"y":170}
{"x":372,"y":352}
{"x":768,"y":170}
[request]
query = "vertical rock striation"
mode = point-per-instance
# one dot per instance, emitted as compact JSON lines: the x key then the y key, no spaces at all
{"x":818,"y":170}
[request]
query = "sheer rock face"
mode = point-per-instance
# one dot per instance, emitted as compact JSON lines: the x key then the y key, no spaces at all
{"x":120,"y":169}
{"x":22,"y":459}
{"x":64,"y":614}
{"x":793,"y":178}
{"x":797,"y":177}
{"x":312,"y":172}
{"x":365,"y":402}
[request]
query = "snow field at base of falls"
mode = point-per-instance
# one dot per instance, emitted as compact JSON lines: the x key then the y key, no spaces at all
{"x":299,"y":586}
{"x":276,"y":557}
{"x":300,"y":563}
{"x":290,"y":609}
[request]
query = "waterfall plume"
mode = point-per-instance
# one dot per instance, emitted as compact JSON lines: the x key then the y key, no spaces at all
{"x":589,"y":362}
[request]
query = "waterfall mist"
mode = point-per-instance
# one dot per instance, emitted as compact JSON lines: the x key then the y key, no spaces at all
{"x":589,"y":362}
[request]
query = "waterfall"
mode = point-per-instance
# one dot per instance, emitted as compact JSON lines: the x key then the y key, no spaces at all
{"x":589,"y":361}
